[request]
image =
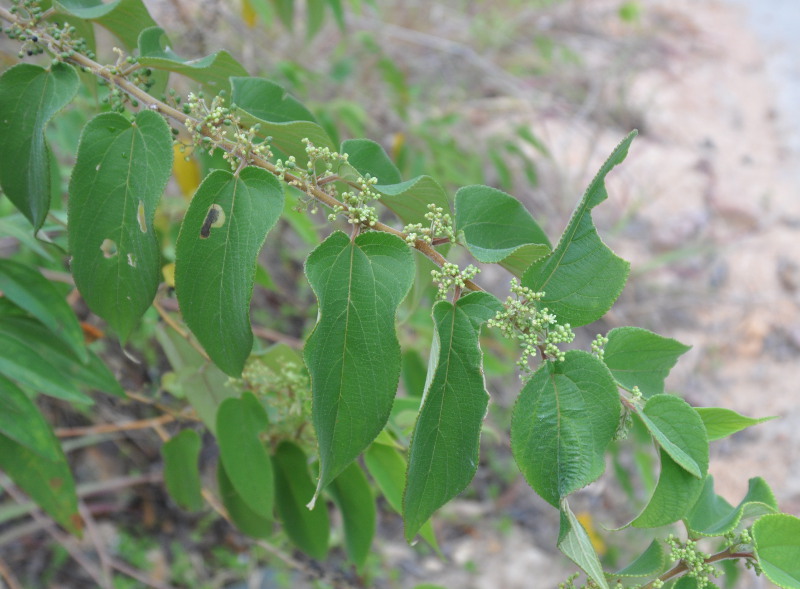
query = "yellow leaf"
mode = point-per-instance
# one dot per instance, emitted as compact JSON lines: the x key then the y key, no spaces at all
{"x":248,"y":14}
{"x":168,"y":271}
{"x":187,"y":173}
{"x":587,"y":521}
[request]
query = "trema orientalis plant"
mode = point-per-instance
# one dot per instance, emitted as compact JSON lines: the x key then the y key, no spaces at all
{"x":300,"y":433}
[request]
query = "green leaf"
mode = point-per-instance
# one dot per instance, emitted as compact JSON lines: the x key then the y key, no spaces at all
{"x":213,"y":71}
{"x":247,"y":521}
{"x":721,"y":423}
{"x":221,"y":235}
{"x":307,"y":528}
{"x":369,"y":158}
{"x":315,"y":17}
{"x":21,"y":362}
{"x":563,"y":420}
{"x":409,"y":200}
{"x":777,"y":547}
{"x":122,"y":169}
{"x":388,"y":468}
{"x":443,"y":455}
{"x":637,"y":357}
{"x":181,"y":472}
{"x":285,"y":10}
{"x":674,"y":495}
{"x":582,"y":277}
{"x":124,"y":18}
{"x":22,"y":421}
{"x":352,"y":493}
{"x":197,"y":379}
{"x":496,"y":228}
{"x":712,"y":515}
{"x":649,"y":563}
{"x":280,"y":115}
{"x":413,"y":373}
{"x":575,"y":543}
{"x":93,"y":375}
{"x":246,"y":462}
{"x":29,"y":97}
{"x":353,"y":355}
{"x":32,"y":292}
{"x":678,"y":429}
{"x":48,"y":482}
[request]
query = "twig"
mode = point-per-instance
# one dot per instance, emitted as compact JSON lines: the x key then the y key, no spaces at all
{"x":180,"y":330}
{"x":277,"y":336}
{"x":114,"y":427}
{"x":63,"y":539}
{"x":8,"y":576}
{"x":97,"y":541}
{"x":125,"y":569}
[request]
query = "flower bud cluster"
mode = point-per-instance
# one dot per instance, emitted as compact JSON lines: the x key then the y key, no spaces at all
{"x":536,"y":329}
{"x":219,"y":127}
{"x":27,"y":29}
{"x":356,"y":203}
{"x":694,"y":559}
{"x":598,"y":346}
{"x":441,"y":225}
{"x":287,"y":398}
{"x":451,"y":276}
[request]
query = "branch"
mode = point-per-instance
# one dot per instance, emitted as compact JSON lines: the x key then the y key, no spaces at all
{"x":149,"y":102}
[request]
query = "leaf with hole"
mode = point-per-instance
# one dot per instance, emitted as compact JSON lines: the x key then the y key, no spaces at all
{"x":214,"y":275}
{"x":122,"y":169}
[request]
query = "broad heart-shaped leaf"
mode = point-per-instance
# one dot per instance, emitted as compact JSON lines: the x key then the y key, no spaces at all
{"x":29,"y":97}
{"x":32,"y":292}
{"x":563,"y":420}
{"x":21,"y":361}
{"x":649,"y":563}
{"x":119,"y":176}
{"x":443,"y":455}
{"x":221,"y":235}
{"x":194,"y":377}
{"x":496,"y":228}
{"x":712,"y":515}
{"x":213,"y":71}
{"x":48,"y":482}
{"x":582,"y":277}
{"x":388,"y":468}
{"x":307,"y":528}
{"x":125,"y":18}
{"x":721,"y":423}
{"x":280,"y":115}
{"x":678,"y":429}
{"x":369,"y":157}
{"x":247,"y":521}
{"x":22,"y":421}
{"x":181,"y":472}
{"x":352,"y":493}
{"x":574,"y":542}
{"x":246,"y":462}
{"x":409,"y":200}
{"x":353,"y":355}
{"x":777,"y":546}
{"x":637,"y":357}
{"x":93,"y":375}
{"x":674,"y":495}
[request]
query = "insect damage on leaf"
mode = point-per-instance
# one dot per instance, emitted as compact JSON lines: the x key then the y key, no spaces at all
{"x":214,"y":218}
